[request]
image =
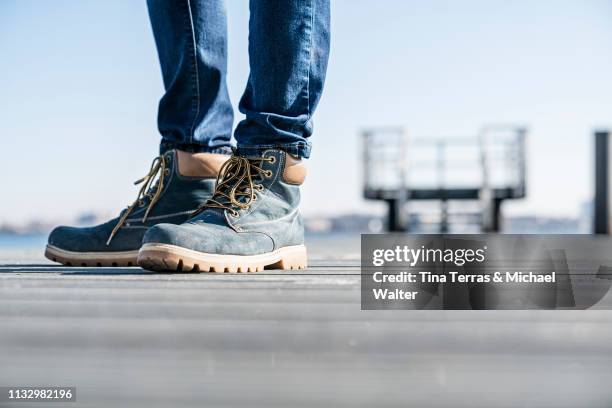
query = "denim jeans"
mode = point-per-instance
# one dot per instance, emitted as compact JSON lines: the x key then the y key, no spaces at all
{"x":288,"y":53}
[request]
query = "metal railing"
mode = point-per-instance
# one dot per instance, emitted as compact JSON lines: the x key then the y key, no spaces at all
{"x":488,"y":167}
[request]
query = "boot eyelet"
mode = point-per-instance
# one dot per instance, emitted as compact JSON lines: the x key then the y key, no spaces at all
{"x":141,"y":203}
{"x":268,"y":173}
{"x":259,"y":187}
{"x":234,"y":213}
{"x":272,"y":159}
{"x":167,"y":172}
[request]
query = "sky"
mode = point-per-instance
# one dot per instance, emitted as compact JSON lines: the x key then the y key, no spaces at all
{"x":80,"y":83}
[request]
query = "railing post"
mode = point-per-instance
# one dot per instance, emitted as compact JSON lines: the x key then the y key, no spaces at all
{"x":601,"y":204}
{"x":395,"y":218}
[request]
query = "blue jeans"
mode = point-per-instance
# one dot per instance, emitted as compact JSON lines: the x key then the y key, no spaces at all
{"x":288,"y":53}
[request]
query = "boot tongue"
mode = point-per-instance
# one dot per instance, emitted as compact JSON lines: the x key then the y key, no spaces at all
{"x":231,"y":190}
{"x":242,"y":178}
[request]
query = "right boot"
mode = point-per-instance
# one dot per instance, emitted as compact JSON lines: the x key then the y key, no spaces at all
{"x":251,"y":223}
{"x":177,"y":185}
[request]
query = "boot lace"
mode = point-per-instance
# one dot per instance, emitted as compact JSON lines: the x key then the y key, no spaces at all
{"x":151,"y":189}
{"x":236,"y":186}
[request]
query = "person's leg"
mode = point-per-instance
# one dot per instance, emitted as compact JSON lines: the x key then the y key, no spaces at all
{"x":195,"y":113}
{"x":288,"y":53}
{"x":252,"y":221}
{"x":195,"y":120}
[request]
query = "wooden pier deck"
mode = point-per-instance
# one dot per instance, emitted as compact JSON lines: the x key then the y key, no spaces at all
{"x":128,"y":338}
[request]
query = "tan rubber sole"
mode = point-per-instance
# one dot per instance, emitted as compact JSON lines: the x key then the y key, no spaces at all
{"x":70,"y":258}
{"x":164,"y":257}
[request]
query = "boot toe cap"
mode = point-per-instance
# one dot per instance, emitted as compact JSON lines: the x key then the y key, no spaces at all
{"x":94,"y":239}
{"x":66,"y":238}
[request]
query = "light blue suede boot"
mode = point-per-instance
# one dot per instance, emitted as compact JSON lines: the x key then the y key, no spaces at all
{"x":251,"y":222}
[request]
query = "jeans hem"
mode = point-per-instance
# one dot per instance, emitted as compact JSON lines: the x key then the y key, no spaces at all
{"x":193,"y":148}
{"x":300,"y":149}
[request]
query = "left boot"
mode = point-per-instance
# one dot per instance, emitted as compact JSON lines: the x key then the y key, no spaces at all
{"x":251,"y":222}
{"x":176,"y":186}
